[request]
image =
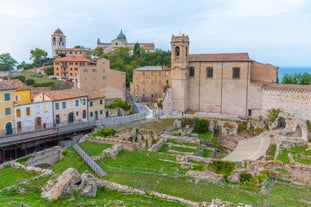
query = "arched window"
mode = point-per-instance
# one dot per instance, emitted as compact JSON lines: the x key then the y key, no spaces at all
{"x":191,"y":72}
{"x":61,"y":39}
{"x":177,"y":51}
{"x":54,"y":39}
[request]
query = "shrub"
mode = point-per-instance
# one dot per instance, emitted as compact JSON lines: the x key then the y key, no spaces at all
{"x":44,"y":84}
{"x":272,"y":114}
{"x":30,"y":81}
{"x":308,"y":125}
{"x":201,"y":125}
{"x":222,"y":167}
{"x":105,"y":132}
{"x":242,"y":126}
{"x":245,"y":177}
{"x":20,"y":77}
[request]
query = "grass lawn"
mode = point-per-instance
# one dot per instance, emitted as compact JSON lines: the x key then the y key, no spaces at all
{"x":166,"y":147}
{"x":296,"y":152}
{"x":207,"y":153}
{"x":10,"y":176}
{"x":209,"y":139}
{"x":159,"y":125}
{"x":92,"y":148}
{"x":70,"y":159}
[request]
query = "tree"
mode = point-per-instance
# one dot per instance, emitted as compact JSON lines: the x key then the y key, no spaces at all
{"x":24,"y":65}
{"x":119,"y":103}
{"x":98,"y":52}
{"x":20,"y":77}
{"x":30,"y":81}
{"x":50,"y":71}
{"x":7,"y":62}
{"x":297,"y":78}
{"x":38,"y":56}
{"x":77,"y":46}
{"x":136,"y":51}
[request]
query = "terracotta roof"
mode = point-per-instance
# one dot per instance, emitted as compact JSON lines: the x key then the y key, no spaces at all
{"x":69,"y":49}
{"x":65,"y":94}
{"x":227,"y":57}
{"x":35,"y":91}
{"x":16,"y":83}
{"x":287,"y":86}
{"x":4,"y":86}
{"x":73,"y":59}
{"x":58,"y":31}
{"x":95,"y":94}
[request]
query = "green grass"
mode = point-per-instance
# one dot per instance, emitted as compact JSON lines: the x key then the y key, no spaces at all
{"x":10,"y":176}
{"x":159,"y":125}
{"x":70,"y":159}
{"x":29,"y":194}
{"x":207,"y":153}
{"x":296,"y":152}
{"x":209,"y":139}
{"x":142,"y":161}
{"x":282,"y":170}
{"x":92,"y":148}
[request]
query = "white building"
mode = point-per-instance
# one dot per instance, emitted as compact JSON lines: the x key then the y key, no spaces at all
{"x":34,"y":116}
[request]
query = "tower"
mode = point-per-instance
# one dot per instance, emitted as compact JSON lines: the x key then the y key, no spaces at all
{"x":58,"y":41}
{"x":179,"y":65}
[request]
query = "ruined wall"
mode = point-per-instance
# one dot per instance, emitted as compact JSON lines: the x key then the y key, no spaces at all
{"x":292,"y":99}
{"x":49,"y":156}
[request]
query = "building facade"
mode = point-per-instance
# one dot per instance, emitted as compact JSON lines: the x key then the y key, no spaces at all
{"x":229,"y":83}
{"x":150,"y":82}
{"x":96,"y":105}
{"x":58,"y":40}
{"x":121,"y":41}
{"x":33,"y":116}
{"x":68,"y":67}
{"x":22,"y":91}
{"x":72,"y":52}
{"x":99,"y":76}
{"x":68,"y":105}
{"x":7,"y":101}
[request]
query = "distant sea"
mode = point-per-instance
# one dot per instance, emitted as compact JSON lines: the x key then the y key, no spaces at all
{"x":292,"y":69}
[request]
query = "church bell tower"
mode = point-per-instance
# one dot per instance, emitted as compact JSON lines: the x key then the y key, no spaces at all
{"x":179,"y":65}
{"x":58,"y":41}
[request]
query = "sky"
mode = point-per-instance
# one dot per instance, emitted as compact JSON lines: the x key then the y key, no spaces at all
{"x":277,"y":32}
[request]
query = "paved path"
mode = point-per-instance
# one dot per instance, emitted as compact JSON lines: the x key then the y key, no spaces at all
{"x":249,"y":149}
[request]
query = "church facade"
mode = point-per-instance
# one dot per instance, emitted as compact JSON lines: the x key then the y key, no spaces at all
{"x":121,"y":41}
{"x":228,"y":83}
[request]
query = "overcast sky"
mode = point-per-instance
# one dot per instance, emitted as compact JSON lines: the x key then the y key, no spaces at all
{"x":271,"y":31}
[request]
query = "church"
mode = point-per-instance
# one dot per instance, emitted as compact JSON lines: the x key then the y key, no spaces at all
{"x":227,"y":83}
{"x":121,"y":41}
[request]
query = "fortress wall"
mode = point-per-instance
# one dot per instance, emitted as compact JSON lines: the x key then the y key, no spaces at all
{"x":292,"y":99}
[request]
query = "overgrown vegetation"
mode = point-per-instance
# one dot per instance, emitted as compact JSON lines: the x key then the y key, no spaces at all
{"x":300,"y":154}
{"x":272,"y":115}
{"x":92,"y":148}
{"x":200,"y":125}
{"x":222,"y":167}
{"x":119,"y":103}
{"x":308,"y":125}
{"x":104,"y":132}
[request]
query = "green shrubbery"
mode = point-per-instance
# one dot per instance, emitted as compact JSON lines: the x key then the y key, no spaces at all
{"x":201,"y":125}
{"x":44,"y":84}
{"x":104,"y":132}
{"x":272,"y":115}
{"x":222,"y":167}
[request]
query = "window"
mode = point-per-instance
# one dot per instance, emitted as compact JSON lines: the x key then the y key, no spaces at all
{"x":209,"y":72}
{"x":85,"y":70}
{"x":64,"y":105}
{"x":103,"y":70}
{"x":93,"y":70}
{"x":84,"y":114}
{"x":7,"y":97}
{"x":77,"y":103}
{"x":46,"y":108}
{"x":91,"y":114}
{"x":18,"y":113}
{"x":104,"y":77}
{"x":84,"y":101}
{"x":56,"y":106}
{"x":28,"y":111}
{"x":91,"y":103}
{"x":8,"y":111}
{"x":191,"y":72}
{"x":236,"y":73}
{"x":101,"y":102}
{"x":18,"y":98}
{"x":101,"y":112}
{"x":77,"y":113}
{"x":177,"y":51}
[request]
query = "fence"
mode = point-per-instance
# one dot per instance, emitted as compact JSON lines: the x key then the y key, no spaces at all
{"x":121,"y":119}
{"x":89,"y":161}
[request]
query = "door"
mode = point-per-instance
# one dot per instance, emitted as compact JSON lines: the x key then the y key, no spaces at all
{"x":8,"y":128}
{"x":96,"y":115}
{"x":70,"y":117}
{"x":19,"y":126}
{"x":57,"y":119}
{"x":38,"y":123}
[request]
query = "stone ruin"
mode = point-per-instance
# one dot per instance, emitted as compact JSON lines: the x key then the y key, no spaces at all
{"x":45,"y":157}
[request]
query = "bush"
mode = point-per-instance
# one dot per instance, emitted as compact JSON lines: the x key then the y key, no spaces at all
{"x":30,"y":81}
{"x":308,"y":125}
{"x":222,"y":167}
{"x":105,"y":132}
{"x":50,"y":71}
{"x":245,"y":177}
{"x":272,"y":114}
{"x":20,"y":77}
{"x":201,"y":125}
{"x":44,"y":84}
{"x":242,"y":126}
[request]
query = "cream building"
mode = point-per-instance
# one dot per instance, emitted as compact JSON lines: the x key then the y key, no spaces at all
{"x":72,"y":52}
{"x":68,"y":105}
{"x":96,"y":105}
{"x":99,"y":76}
{"x":121,"y":41}
{"x":229,"y":83}
{"x":58,"y":40}
{"x":150,"y":82}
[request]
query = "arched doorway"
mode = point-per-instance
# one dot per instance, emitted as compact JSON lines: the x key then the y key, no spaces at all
{"x":38,"y":123}
{"x":8,"y":128}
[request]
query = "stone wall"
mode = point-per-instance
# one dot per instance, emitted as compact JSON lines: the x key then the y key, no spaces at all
{"x":292,"y":99}
{"x":157,"y":146}
{"x":48,"y":156}
{"x":128,"y":146}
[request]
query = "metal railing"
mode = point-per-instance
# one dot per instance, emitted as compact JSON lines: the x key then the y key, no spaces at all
{"x":98,"y":170}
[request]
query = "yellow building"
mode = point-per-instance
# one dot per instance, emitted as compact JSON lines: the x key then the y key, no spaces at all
{"x":96,"y":105}
{"x":7,"y":99}
{"x":22,"y":91}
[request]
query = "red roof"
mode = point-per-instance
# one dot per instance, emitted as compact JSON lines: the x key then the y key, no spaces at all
{"x":73,"y":59}
{"x":226,"y":57}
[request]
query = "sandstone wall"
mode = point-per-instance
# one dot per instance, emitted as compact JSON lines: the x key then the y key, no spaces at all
{"x":49,"y":156}
{"x":292,"y":99}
